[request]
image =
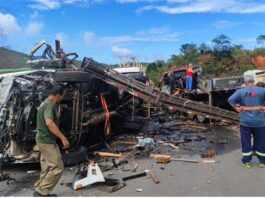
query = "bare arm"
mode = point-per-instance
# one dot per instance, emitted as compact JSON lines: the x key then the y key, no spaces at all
{"x":240,"y":108}
{"x":253,"y":108}
{"x":54,"y":129}
{"x":236,"y":108}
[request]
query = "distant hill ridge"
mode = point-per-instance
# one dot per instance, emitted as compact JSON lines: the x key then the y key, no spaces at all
{"x":10,"y":59}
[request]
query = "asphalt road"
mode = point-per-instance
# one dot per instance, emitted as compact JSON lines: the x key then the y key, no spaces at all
{"x":227,"y":178}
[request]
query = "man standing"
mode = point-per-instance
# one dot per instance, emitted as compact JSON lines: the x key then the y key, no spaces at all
{"x":47,"y":132}
{"x":249,"y":101}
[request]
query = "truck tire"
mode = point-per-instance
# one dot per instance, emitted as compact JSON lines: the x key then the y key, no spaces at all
{"x":72,"y":76}
{"x":135,"y":119}
{"x":133,"y":124}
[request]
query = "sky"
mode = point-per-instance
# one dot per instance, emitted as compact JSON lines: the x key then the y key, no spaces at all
{"x":113,"y":31}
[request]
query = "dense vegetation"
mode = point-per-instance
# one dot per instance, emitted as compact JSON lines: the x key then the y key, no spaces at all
{"x":222,"y":59}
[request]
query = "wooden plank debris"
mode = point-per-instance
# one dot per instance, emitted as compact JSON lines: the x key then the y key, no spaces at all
{"x":154,"y":177}
{"x":168,"y":144}
{"x":135,"y":167}
{"x":208,"y":161}
{"x":185,"y":160}
{"x":125,"y":142}
{"x":160,"y":156}
{"x":107,"y":154}
{"x":197,"y":127}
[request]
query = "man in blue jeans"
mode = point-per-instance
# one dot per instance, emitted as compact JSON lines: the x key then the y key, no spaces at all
{"x":249,"y":101}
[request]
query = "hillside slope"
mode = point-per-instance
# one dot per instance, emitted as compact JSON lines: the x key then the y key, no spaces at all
{"x":259,"y":61}
{"x":12,"y":59}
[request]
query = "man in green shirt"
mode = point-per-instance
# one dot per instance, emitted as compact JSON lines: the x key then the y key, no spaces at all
{"x":47,"y":132}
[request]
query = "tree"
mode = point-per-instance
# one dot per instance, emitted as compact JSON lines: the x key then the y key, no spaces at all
{"x":155,"y":69}
{"x":176,"y":60}
{"x":189,"y":53}
{"x":261,"y":39}
{"x":221,"y":43}
{"x":188,"y":48}
{"x":237,"y":53}
{"x":203,"y":48}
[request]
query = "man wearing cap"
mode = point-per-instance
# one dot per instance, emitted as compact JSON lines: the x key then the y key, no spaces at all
{"x":249,"y":101}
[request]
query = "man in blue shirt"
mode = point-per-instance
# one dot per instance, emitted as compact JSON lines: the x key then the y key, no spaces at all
{"x":249,"y":101}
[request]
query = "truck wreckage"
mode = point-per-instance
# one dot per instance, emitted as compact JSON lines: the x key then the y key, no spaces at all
{"x":92,"y":110}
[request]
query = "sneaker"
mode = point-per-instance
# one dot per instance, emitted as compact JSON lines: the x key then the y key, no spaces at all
{"x":261,"y":165}
{"x":37,"y":194}
{"x":247,"y":165}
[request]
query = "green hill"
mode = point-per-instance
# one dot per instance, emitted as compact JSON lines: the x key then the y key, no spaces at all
{"x":10,"y":59}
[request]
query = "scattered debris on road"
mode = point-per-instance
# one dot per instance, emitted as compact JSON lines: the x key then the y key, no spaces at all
{"x":107,"y":134}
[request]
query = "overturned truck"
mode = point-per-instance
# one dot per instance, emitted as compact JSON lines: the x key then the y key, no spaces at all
{"x":88,"y":115}
{"x":91,"y":111}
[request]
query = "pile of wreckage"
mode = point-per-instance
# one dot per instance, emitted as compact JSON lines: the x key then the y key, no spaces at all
{"x":101,"y":109}
{"x":162,"y":138}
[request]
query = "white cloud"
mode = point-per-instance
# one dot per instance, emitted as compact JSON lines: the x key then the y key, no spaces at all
{"x":71,"y":1}
{"x":135,"y":1}
{"x":246,"y":40}
{"x":45,"y":4}
{"x":137,"y":38}
{"x":161,"y":34}
{"x":154,"y":31}
{"x":178,"y":1}
{"x":206,"y":6}
{"x":35,"y":15}
{"x":10,"y":27}
{"x":168,"y":6}
{"x":222,"y":24}
{"x":121,"y":52}
{"x":33,"y":28}
{"x":88,"y":37}
{"x":156,"y":34}
{"x":8,"y":24}
{"x":55,"y":4}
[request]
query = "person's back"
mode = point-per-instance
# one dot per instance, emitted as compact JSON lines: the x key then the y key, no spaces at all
{"x":249,"y":101}
{"x":250,"y":96}
{"x":43,"y":134}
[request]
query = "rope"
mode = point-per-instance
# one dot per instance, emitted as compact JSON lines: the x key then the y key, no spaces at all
{"x":107,"y":114}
